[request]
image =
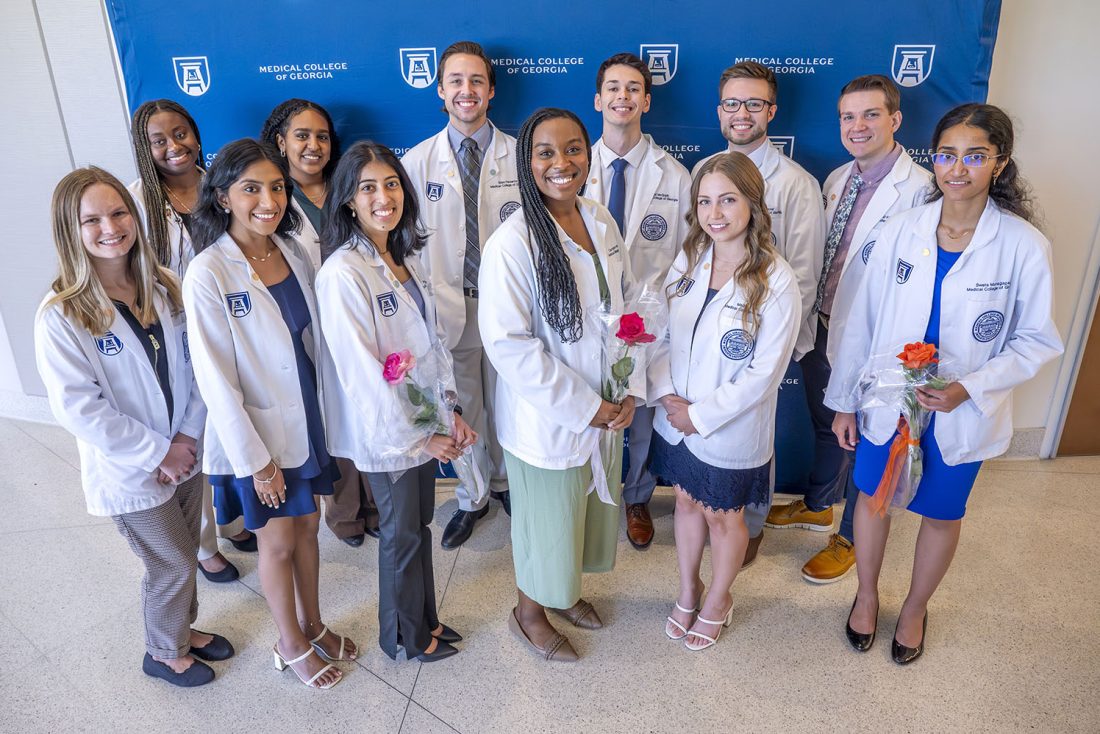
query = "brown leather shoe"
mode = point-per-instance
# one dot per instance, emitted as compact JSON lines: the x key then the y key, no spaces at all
{"x":557,"y":649}
{"x":639,"y":526}
{"x":582,"y":614}
{"x":750,"y":552}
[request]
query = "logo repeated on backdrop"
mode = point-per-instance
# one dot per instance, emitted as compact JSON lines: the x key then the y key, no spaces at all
{"x":988,"y":326}
{"x":507,"y":209}
{"x":418,"y":66}
{"x":737,"y":344}
{"x":912,"y":64}
{"x":387,"y":303}
{"x":434,"y":191}
{"x":654,"y":227}
{"x":240,"y":304}
{"x":866,"y":253}
{"x":662,"y":59}
{"x":904,"y":271}
{"x":108,"y":344}
{"x":783,"y":143}
{"x":192,"y":74}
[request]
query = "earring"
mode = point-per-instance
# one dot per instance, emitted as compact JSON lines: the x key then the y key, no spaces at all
{"x":353,"y":215}
{"x":226,"y":210}
{"x":282,"y":154}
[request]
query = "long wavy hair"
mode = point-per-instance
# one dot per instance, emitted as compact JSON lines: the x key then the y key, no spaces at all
{"x":210,"y":220}
{"x":559,"y":300}
{"x":1008,"y":189}
{"x":77,"y":286}
{"x":153,"y":195}
{"x":752,"y":275}
{"x":340,"y":227}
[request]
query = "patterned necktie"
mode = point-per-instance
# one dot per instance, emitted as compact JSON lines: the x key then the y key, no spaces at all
{"x":616,"y":201}
{"x":836,"y":232}
{"x":470,"y":160}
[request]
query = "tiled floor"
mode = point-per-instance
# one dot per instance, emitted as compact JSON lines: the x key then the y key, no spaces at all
{"x":1012,"y":636}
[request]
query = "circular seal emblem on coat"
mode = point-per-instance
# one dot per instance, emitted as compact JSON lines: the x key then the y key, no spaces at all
{"x":654,"y":227}
{"x":988,"y":326}
{"x":507,"y":209}
{"x":737,"y":344}
{"x":865,"y":253}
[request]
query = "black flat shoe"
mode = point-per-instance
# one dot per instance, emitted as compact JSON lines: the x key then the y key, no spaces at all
{"x":448,"y":635}
{"x":354,"y":540}
{"x":442,"y":651}
{"x":248,"y":545}
{"x":859,"y":641}
{"x":461,"y":526}
{"x":373,"y":532}
{"x":227,"y":574}
{"x":197,"y":675}
{"x":505,"y":498}
{"x":904,"y":655}
{"x":217,"y":649}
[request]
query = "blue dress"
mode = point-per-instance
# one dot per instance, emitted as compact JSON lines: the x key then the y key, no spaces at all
{"x":236,"y":496}
{"x":943,"y":489}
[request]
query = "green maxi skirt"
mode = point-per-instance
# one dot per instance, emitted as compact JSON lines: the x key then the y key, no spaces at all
{"x":558,"y":531}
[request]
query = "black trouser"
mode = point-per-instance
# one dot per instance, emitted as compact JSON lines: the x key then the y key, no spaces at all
{"x":827,"y":477}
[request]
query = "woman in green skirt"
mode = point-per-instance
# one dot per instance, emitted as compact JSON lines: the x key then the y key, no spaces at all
{"x":546,"y":274}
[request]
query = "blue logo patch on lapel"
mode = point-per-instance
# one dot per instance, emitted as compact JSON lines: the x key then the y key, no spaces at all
{"x":684,"y":285}
{"x":904,"y":271}
{"x":737,"y":344}
{"x":108,"y":344}
{"x":434,"y":191}
{"x":240,"y":304}
{"x":387,"y":303}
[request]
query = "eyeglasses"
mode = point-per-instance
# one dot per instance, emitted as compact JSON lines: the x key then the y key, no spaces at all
{"x":733,"y":104}
{"x":971,"y":160}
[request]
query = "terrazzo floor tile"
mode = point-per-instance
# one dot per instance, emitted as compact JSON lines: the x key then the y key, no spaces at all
{"x":419,"y":721}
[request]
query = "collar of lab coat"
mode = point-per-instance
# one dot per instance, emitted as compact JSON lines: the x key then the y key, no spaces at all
{"x":121,"y":328}
{"x":597,"y":229}
{"x":370,"y":255}
{"x":985,"y":233}
{"x":444,"y":153}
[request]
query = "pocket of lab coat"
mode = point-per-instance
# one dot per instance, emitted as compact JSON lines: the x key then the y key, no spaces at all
{"x":268,"y":422}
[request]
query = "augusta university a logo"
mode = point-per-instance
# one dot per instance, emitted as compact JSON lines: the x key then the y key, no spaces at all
{"x":783,"y":143}
{"x":192,"y":74}
{"x":912,"y":64}
{"x":661,"y":59}
{"x":418,"y":66}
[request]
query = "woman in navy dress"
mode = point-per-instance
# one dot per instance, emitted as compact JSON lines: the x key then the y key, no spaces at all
{"x":255,"y":338}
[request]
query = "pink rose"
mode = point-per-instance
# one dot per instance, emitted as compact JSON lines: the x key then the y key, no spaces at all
{"x":397,"y":366}
{"x":632,"y":330}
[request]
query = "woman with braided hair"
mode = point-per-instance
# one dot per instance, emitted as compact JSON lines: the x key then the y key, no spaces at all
{"x":549,"y":268}
{"x":304,"y":134}
{"x":169,"y":156}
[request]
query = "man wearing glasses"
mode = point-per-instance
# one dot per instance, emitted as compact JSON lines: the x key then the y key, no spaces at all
{"x":880,"y":181}
{"x":747,"y":104}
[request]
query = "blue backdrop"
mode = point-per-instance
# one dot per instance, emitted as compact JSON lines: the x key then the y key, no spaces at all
{"x":373,"y":66}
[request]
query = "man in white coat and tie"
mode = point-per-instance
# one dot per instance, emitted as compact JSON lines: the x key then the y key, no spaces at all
{"x":880,"y":181}
{"x":747,"y":103}
{"x":648,"y":193}
{"x":466,"y":179}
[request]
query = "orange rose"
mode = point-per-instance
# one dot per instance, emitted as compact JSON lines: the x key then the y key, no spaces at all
{"x":918,"y":355}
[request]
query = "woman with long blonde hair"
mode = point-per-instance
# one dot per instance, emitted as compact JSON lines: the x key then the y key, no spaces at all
{"x":111,"y":345}
{"x":734,"y":310}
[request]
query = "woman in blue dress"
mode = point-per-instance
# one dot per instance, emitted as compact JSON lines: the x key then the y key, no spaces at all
{"x":255,"y":338}
{"x":969,"y":273}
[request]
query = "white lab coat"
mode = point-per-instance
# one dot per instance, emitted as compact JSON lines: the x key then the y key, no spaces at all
{"x":996,"y":327}
{"x":244,"y":360}
{"x":660,"y":202}
{"x":731,"y":378}
{"x":906,"y":185}
{"x":548,"y":391}
{"x":437,"y":180}
{"x":309,"y":240}
{"x":104,"y":391}
{"x":793,"y":197}
{"x":181,"y":251}
{"x":366,"y":315}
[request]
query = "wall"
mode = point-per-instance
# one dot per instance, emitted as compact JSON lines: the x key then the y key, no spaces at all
{"x":72,"y":112}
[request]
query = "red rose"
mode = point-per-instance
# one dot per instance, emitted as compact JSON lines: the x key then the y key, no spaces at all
{"x":632,"y":330}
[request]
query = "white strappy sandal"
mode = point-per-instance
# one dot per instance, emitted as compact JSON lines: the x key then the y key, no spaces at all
{"x":316,"y":643}
{"x":683,"y":630}
{"x":708,"y":640}
{"x":281,"y":664}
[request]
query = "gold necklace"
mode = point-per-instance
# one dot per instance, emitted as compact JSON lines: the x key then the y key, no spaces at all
{"x":257,"y":259}
{"x":177,"y":204}
{"x":947,"y":231}
{"x":320,"y":196}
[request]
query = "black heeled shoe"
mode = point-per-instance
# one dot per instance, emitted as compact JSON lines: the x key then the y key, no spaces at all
{"x":448,"y":635}
{"x":859,"y":641}
{"x":442,"y":651}
{"x":904,"y":655}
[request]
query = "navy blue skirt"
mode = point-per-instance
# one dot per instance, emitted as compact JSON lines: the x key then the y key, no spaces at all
{"x":715,"y":488}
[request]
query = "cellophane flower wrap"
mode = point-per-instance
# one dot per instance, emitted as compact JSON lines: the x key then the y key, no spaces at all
{"x":917,"y":366}
{"x":424,"y":406}
{"x":626,"y":337}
